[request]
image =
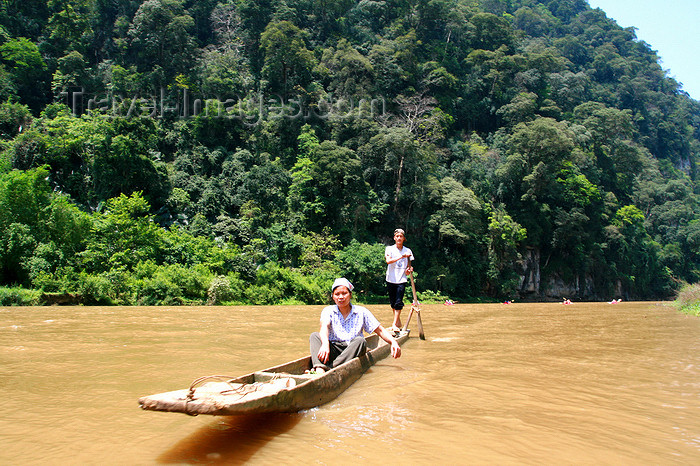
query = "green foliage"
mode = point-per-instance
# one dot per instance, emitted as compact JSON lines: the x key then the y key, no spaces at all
{"x":23,"y":196}
{"x":287,"y":60}
{"x":688,"y":299}
{"x":5,"y":162}
{"x":431,"y":297}
{"x":505,"y":237}
{"x":171,"y":284}
{"x":521,"y":144}
{"x":26,"y":67}
{"x":223,"y":290}
{"x":69,"y":28}
{"x":17,"y":244}
{"x":364,"y":265}
{"x":275,"y":285}
{"x":160,"y":34}
{"x":94,"y":289}
{"x":458,"y":215}
{"x":318,"y":251}
{"x":14,"y":118}
{"x":123,"y":236}
{"x":19,"y":297}
{"x":350,"y":73}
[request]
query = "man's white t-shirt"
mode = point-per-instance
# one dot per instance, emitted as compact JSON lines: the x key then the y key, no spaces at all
{"x":396,"y":271}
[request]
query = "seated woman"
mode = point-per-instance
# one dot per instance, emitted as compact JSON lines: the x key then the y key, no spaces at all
{"x":341,"y":336}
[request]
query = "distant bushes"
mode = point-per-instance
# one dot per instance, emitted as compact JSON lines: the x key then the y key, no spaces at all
{"x":688,"y":299}
{"x":19,"y":297}
{"x":427,"y":297}
{"x":155,"y":285}
{"x":177,"y":285}
{"x":119,"y":255}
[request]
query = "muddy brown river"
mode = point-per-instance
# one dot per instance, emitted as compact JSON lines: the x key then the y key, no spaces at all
{"x":491,"y":384}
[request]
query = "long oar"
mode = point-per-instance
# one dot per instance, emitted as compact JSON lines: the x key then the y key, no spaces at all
{"x":415,"y":307}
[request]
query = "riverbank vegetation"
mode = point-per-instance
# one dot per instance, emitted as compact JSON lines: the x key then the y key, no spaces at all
{"x":192,"y":152}
{"x":688,"y":299}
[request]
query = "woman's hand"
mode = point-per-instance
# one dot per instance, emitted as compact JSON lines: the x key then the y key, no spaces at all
{"x":395,"y":349}
{"x":389,"y":338}
{"x":324,"y":352}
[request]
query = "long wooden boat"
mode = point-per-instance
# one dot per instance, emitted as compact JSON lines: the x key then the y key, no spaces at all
{"x":279,"y":389}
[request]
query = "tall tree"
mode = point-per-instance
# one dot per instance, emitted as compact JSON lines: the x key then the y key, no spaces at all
{"x":160,"y":36}
{"x":287,"y":60}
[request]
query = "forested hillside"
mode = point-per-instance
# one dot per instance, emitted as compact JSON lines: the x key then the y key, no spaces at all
{"x":172,"y":151}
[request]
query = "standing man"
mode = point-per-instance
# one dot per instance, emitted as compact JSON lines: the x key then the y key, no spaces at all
{"x":398,"y":258}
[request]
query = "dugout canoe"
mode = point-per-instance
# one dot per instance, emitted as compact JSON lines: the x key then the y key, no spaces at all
{"x":281,"y":389}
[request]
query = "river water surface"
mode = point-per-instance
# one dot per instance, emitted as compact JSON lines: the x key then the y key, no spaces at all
{"x":491,"y":384}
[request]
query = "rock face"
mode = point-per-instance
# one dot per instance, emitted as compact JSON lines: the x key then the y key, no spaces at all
{"x":530,"y":279}
{"x":555,"y":287}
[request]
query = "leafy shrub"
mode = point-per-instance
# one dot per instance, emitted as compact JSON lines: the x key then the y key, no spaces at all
{"x":16,"y":296}
{"x":688,"y":299}
{"x":5,"y":162}
{"x":122,"y":286}
{"x":364,"y":265}
{"x":276,"y":285}
{"x":60,"y":281}
{"x":171,"y":284}
{"x":94,"y":289}
{"x":220,"y":291}
{"x":264,"y":294}
{"x":428,"y":297}
{"x":159,"y":290}
{"x":304,"y":288}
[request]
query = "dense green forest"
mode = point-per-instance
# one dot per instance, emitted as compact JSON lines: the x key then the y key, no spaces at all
{"x":249,"y":151}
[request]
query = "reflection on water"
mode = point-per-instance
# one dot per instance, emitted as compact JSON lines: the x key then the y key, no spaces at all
{"x":229,"y":440}
{"x":586,"y":383}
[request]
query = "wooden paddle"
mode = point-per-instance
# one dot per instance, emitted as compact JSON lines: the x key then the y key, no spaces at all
{"x":415,"y":307}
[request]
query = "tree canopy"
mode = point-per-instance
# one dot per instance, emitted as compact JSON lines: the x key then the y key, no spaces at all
{"x":205,"y":151}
